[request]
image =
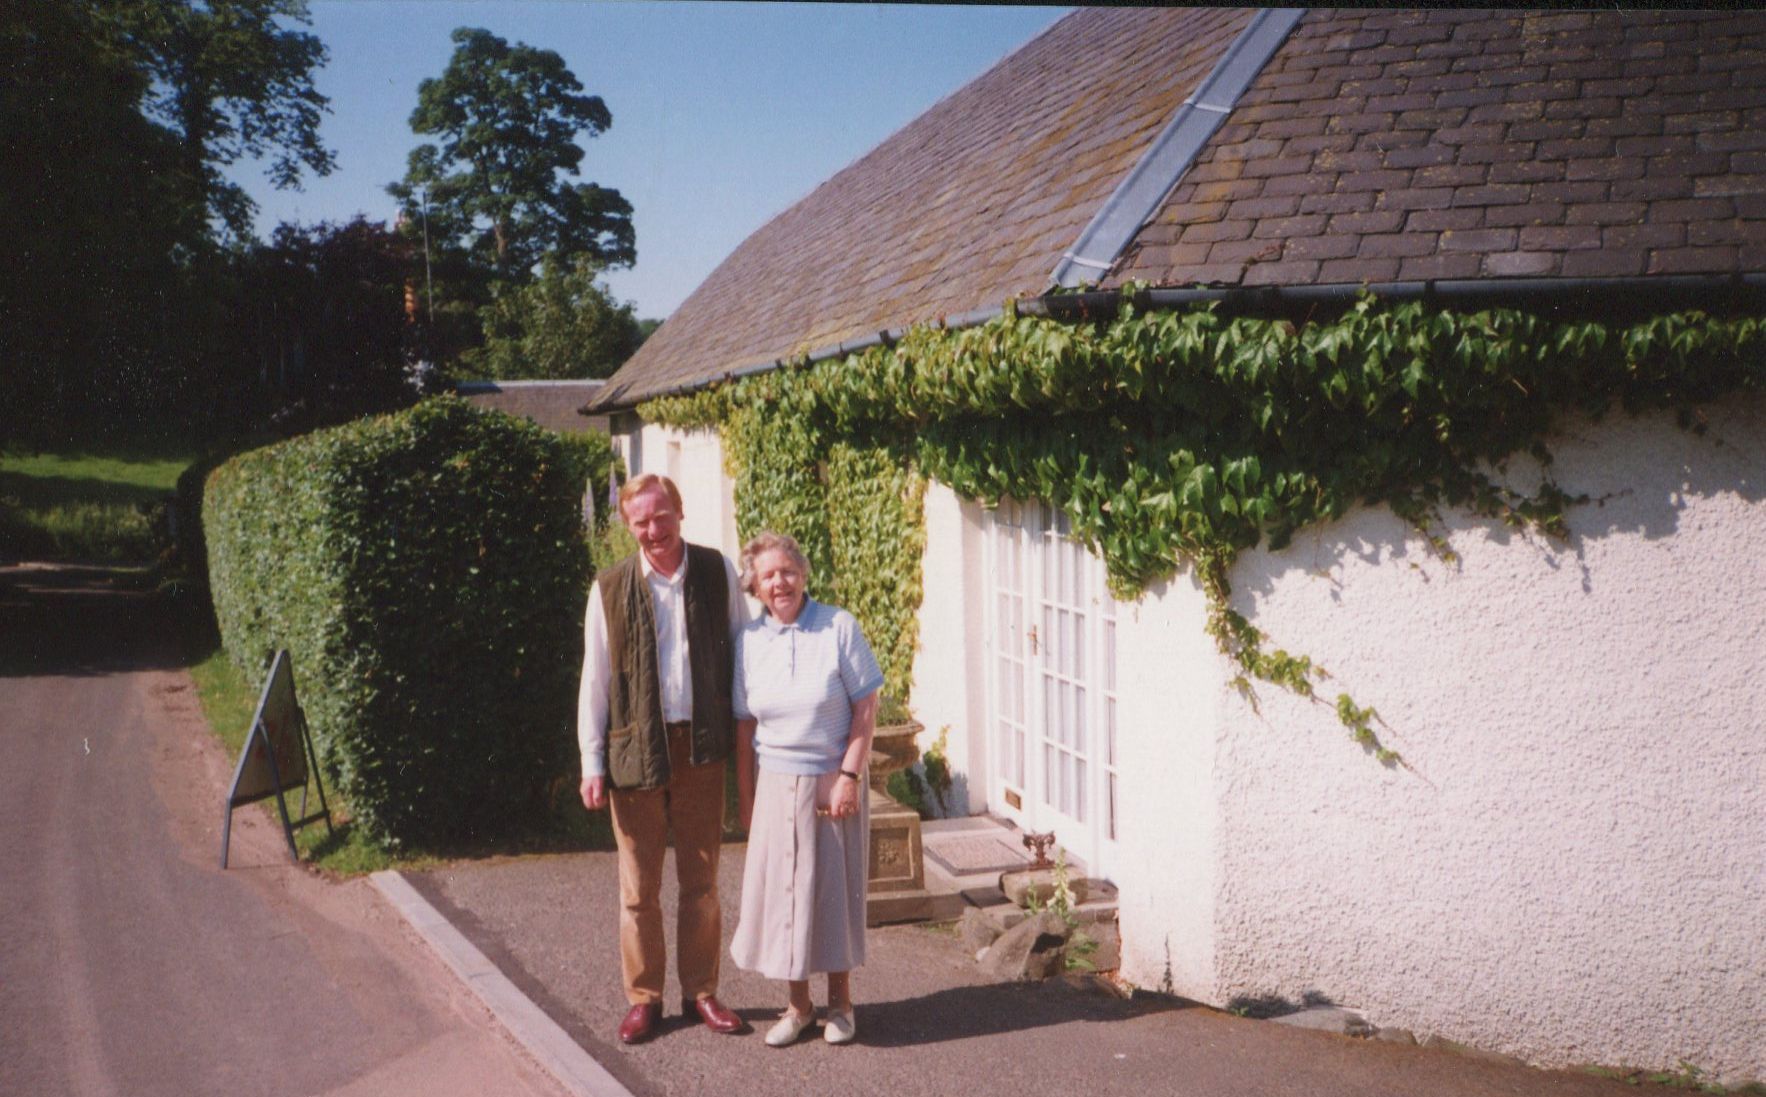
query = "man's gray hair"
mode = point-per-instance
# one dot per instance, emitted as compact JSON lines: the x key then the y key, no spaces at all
{"x":764,"y":542}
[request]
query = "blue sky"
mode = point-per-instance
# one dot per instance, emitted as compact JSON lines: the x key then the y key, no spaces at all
{"x":723,"y":113}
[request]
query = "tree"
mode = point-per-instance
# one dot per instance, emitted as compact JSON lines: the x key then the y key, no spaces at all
{"x":93,"y":208}
{"x":508,"y":118}
{"x":325,"y":316}
{"x":230,"y":81}
{"x":562,"y":325}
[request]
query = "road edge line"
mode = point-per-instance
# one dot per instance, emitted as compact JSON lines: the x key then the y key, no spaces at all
{"x":559,"y":1055}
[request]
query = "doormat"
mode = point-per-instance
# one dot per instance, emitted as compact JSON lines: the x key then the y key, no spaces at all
{"x":969,"y":856}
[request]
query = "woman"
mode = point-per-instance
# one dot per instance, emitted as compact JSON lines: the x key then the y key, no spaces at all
{"x":805,"y":698}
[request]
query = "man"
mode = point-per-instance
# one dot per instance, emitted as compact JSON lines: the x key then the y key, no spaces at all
{"x":654,"y":725}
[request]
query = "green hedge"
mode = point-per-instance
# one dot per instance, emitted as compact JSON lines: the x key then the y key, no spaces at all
{"x":427,"y":571}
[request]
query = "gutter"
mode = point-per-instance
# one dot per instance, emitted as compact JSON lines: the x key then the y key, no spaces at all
{"x":1641,"y":295}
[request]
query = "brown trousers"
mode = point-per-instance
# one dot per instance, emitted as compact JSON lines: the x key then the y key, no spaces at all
{"x":692,"y":806}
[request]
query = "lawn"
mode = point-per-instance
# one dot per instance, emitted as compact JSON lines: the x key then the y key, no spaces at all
{"x":97,"y":505}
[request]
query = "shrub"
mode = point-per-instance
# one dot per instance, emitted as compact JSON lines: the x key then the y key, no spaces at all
{"x":427,"y":572}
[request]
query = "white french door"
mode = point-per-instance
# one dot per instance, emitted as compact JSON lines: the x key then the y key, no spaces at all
{"x":1051,"y":657}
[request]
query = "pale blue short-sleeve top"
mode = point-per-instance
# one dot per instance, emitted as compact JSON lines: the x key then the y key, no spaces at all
{"x":799,"y":682}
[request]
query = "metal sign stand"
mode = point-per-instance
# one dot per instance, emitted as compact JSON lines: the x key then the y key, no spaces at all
{"x":278,"y":757}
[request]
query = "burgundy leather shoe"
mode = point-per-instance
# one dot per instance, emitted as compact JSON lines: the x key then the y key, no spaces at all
{"x":640,"y":1023}
{"x":717,"y":1016}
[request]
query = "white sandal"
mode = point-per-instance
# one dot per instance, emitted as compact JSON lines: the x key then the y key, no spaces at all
{"x":839,"y":1027}
{"x":788,"y":1028}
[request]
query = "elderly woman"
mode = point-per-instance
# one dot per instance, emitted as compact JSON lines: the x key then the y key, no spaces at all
{"x":805,"y":699}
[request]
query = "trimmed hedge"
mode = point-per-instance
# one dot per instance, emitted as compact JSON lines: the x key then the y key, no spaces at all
{"x":427,"y":571}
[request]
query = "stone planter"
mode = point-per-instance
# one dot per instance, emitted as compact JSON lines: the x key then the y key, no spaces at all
{"x":897,"y":890}
{"x":893,"y":749}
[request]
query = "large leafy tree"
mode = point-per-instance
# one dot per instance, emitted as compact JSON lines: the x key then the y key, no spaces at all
{"x":230,"y":79}
{"x":94,"y":208}
{"x":497,"y":186}
{"x":562,"y":325}
{"x":117,"y":118}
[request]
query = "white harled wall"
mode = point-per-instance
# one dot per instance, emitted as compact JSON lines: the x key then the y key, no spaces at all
{"x":694,"y":460}
{"x":1571,"y":865}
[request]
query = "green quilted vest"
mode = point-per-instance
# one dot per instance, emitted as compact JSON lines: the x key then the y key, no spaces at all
{"x":637,"y":744}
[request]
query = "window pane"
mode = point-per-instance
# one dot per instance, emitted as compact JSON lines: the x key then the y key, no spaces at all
{"x":1051,"y":712}
{"x":1065,"y":556}
{"x":1078,"y":665}
{"x":1079,"y":719}
{"x":1079,"y":789}
{"x":1110,"y":731}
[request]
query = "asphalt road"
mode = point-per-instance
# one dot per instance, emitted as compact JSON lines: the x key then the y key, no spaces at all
{"x":129,"y":962}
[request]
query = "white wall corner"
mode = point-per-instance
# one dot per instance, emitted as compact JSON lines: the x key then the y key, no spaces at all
{"x":949,"y":662}
{"x":1170,"y":679}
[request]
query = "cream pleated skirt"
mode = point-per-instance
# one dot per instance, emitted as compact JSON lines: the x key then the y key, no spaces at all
{"x":803,"y":886}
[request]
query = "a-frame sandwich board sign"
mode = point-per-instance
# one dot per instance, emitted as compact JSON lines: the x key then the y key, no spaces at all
{"x":278,"y":758}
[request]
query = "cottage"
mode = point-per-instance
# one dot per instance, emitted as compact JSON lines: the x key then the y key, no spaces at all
{"x":1564,"y":857}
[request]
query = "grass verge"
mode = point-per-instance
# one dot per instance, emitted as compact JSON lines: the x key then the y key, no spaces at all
{"x":229,"y":701}
{"x":101,"y":505}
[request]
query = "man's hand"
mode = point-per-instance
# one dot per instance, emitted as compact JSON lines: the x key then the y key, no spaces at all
{"x":594,"y":791}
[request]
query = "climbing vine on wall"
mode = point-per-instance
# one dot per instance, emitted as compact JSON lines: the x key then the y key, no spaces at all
{"x":877,"y":528}
{"x":853,"y":505}
{"x":1182,"y":438}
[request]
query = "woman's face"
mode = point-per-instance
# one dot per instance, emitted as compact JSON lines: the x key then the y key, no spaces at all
{"x":779,"y":584}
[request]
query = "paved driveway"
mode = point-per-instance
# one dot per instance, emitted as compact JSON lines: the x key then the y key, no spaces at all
{"x":928,"y":1024}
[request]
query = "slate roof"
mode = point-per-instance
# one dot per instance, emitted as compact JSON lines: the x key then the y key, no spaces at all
{"x":969,"y":204}
{"x":1376,"y":145}
{"x":1446,"y":144}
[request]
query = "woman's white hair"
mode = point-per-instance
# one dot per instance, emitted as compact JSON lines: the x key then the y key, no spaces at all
{"x":764,"y":542}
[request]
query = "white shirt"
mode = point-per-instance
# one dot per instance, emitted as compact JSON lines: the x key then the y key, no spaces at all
{"x":668,"y":595}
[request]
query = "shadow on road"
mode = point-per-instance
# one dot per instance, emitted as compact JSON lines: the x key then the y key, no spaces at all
{"x":959,"y":1013}
{"x":75,"y":620}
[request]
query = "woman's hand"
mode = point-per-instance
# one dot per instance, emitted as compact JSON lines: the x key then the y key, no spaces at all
{"x":844,"y":801}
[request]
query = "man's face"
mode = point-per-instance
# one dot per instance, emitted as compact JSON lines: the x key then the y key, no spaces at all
{"x":653,"y":520}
